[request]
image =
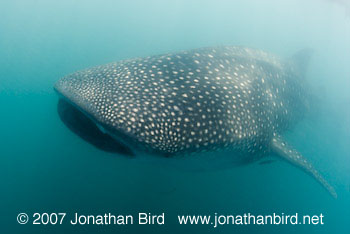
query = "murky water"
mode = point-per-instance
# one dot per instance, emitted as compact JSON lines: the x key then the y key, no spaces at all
{"x":47,"y":168}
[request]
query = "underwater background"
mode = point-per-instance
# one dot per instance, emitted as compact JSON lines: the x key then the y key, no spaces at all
{"x":44,"y":167}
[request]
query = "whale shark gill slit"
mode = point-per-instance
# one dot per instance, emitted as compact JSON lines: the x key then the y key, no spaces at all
{"x":85,"y":128}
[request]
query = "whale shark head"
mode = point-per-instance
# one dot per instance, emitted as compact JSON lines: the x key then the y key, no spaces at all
{"x":78,"y":113}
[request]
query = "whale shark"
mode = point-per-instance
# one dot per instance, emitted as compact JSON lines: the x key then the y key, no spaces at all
{"x":210,"y":107}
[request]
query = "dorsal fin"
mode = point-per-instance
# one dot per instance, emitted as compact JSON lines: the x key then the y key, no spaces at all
{"x":283,"y":150}
{"x":301,"y":60}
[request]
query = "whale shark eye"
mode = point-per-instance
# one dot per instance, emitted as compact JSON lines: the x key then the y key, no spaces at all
{"x":85,"y":128}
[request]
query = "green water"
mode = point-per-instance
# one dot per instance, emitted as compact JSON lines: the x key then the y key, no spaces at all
{"x":47,"y":168}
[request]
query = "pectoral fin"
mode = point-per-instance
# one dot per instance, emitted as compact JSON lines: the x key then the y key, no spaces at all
{"x":283,"y":150}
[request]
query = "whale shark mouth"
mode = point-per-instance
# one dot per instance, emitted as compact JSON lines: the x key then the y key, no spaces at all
{"x":84,"y":126}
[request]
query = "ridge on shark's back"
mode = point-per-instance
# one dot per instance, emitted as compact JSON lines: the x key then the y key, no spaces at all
{"x":186,"y":105}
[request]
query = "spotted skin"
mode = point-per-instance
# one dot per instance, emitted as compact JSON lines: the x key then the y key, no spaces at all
{"x":231,"y":99}
{"x":192,"y":101}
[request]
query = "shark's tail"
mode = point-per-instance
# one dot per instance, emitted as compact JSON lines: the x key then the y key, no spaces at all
{"x":283,"y":150}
